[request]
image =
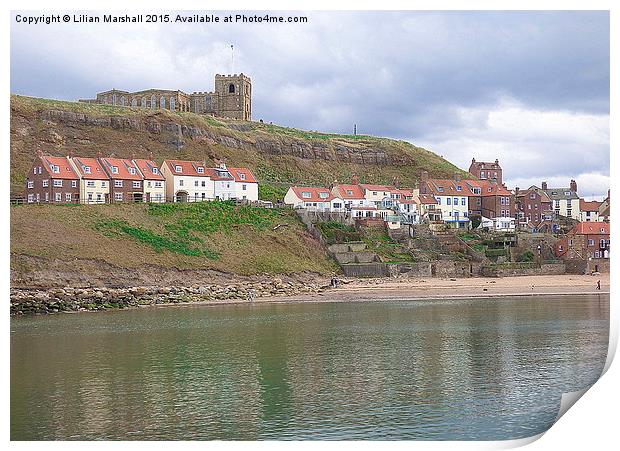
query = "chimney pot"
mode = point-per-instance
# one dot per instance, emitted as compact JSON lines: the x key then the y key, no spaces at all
{"x":543,"y":185}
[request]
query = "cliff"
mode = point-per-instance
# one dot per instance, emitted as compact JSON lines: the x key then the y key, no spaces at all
{"x":278,"y":156}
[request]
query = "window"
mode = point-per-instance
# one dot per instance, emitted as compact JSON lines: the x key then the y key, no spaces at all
{"x":90,"y":197}
{"x":244,"y":187}
{"x":590,"y":242}
{"x":195,"y":182}
{"x":482,"y":175}
{"x":103,"y":184}
{"x":204,"y":183}
{"x":118,"y":183}
{"x":476,"y":190}
{"x":231,"y":88}
{"x":99,"y":198}
{"x":47,"y":197}
{"x":30,"y":184}
{"x":114,"y":170}
{"x":323,"y":195}
{"x":123,"y":101}
{"x":349,"y":192}
{"x":533,"y":196}
{"x":67,"y":197}
{"x":162,"y":103}
{"x":157,"y":184}
{"x":440,"y":189}
{"x":602,"y":243}
{"x":148,"y":184}
{"x":132,"y":171}
{"x":242,"y":176}
{"x":597,"y":254}
{"x":153,"y":102}
{"x":90,"y":183}
{"x":143,"y":102}
{"x":136,"y":184}
{"x":438,"y":200}
{"x":171,"y":103}
{"x":86,"y":169}
{"x":449,"y":201}
{"x":30,"y":198}
{"x":58,"y":183}
{"x":306,"y":195}
{"x":55,"y":169}
{"x":463,"y":200}
{"x":567,"y":193}
{"x":458,"y":188}
{"x":73,"y":183}
{"x":374,"y":193}
{"x":456,"y":201}
{"x":181,"y":182}
{"x":602,"y":230}
{"x":118,"y":196}
{"x":178,"y":168}
{"x":154,"y":171}
{"x":201,"y":170}
{"x":502,"y":201}
{"x":134,"y":102}
{"x":58,"y":197}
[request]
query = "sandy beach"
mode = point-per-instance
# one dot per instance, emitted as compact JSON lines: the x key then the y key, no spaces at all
{"x":364,"y":290}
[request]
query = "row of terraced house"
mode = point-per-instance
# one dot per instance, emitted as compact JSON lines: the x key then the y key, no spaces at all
{"x":87,"y":180}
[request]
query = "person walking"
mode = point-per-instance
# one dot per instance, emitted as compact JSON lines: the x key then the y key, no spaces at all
{"x":598,"y":285}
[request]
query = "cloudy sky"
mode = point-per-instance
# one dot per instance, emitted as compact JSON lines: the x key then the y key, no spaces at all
{"x":529,"y":88}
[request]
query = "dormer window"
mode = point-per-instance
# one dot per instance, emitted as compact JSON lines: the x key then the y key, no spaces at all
{"x":54,"y":168}
{"x":349,"y":192}
{"x":490,"y":189}
{"x":154,"y":171}
{"x":323,"y":195}
{"x":440,"y":189}
{"x":306,"y":195}
{"x":86,"y":169}
{"x":178,"y":168}
{"x":201,"y":170}
{"x":242,"y":176}
{"x":458,"y":188}
{"x":114,"y":170}
{"x":567,"y":193}
{"x":132,"y":171}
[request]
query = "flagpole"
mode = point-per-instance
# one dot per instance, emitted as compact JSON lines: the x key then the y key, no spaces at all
{"x":232,"y":60}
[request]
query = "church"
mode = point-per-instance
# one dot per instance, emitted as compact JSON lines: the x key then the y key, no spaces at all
{"x":231,"y":98}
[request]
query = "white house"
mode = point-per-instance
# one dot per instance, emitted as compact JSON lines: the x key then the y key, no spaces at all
{"x":498,"y":224}
{"x":589,"y":211}
{"x":187,"y":181}
{"x":223,"y":182}
{"x":246,"y":185}
{"x":94,"y":182}
{"x":154,"y":186}
{"x":452,"y":200}
{"x":352,"y":195}
{"x":311,"y":198}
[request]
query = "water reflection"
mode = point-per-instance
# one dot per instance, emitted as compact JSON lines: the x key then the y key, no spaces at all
{"x":467,"y":369}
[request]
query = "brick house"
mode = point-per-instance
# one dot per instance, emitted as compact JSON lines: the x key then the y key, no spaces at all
{"x":94,"y":182}
{"x":490,"y":199}
{"x":533,"y":207}
{"x":154,"y":183}
{"x":52,"y":180}
{"x":126,"y":181}
{"x":486,"y":171}
{"x":585,"y":241}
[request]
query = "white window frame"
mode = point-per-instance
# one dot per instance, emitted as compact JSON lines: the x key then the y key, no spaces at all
{"x":57,"y":183}
{"x":118,"y":184}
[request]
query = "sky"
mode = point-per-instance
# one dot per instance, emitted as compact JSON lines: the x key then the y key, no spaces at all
{"x":528,"y":88}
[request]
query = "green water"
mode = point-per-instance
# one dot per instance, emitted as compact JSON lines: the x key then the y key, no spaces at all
{"x":460,"y":369}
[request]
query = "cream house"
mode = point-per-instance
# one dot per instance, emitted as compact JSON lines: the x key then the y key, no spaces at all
{"x":246,"y":185}
{"x":187,"y":181}
{"x":154,"y":185}
{"x":311,"y":198}
{"x":94,"y":182}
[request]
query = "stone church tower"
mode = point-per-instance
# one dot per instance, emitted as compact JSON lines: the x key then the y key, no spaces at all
{"x":234,"y":96}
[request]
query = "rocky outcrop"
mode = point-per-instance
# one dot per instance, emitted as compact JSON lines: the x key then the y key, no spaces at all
{"x":69,"y":299}
{"x":228,"y":136}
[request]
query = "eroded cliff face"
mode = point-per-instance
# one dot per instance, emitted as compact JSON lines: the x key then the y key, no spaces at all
{"x":275,"y":154}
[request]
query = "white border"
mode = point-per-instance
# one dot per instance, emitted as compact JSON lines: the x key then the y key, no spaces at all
{"x":591,"y":424}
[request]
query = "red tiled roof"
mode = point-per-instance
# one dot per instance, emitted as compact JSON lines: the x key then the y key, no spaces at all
{"x":591,"y":228}
{"x":377,"y":187}
{"x":356,"y":191}
{"x":314,"y":193}
{"x":427,"y":199}
{"x":449,"y":187}
{"x":65,"y":171}
{"x":493,"y":189}
{"x":592,"y":205}
{"x":237,"y":173}
{"x":122,"y":168}
{"x":216,"y":174}
{"x":187,"y":168}
{"x":96,"y":171}
{"x":146,"y":168}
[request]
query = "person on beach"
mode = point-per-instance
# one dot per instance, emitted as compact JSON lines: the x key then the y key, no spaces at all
{"x":598,"y":285}
{"x":251,"y":296}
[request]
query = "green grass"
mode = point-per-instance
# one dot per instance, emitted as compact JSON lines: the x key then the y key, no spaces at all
{"x":271,"y":192}
{"x":335,"y":232}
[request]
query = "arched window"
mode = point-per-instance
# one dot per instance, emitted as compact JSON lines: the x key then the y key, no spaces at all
{"x":143,"y":104}
{"x":123,"y":101}
{"x":231,"y":88}
{"x":153,"y":102}
{"x":105,"y":99}
{"x":162,"y":102}
{"x":113,"y":99}
{"x":134,"y":102}
{"x":171,"y":104}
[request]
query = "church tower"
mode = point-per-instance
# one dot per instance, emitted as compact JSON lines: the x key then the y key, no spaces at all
{"x":234,"y":96}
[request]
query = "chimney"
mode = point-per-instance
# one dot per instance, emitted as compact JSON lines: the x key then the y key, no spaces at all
{"x":473,"y":160}
{"x":573,"y":186}
{"x":354,"y":179}
{"x":497,"y":161}
{"x":543,"y":185}
{"x":516,"y":191}
{"x":423,"y":182}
